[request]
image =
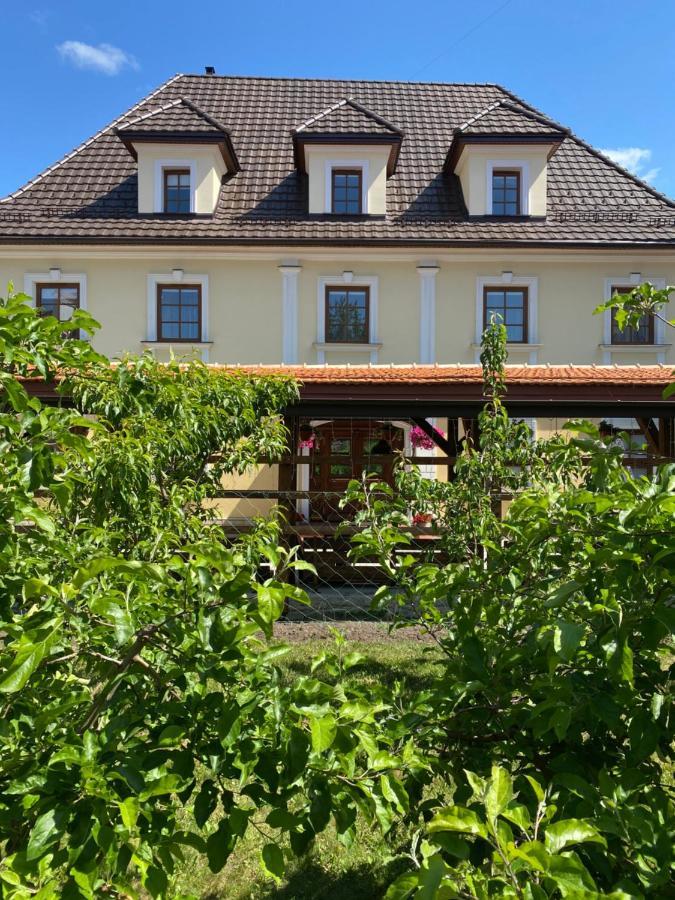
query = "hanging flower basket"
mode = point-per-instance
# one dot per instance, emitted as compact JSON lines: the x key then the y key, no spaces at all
{"x":420,"y":439}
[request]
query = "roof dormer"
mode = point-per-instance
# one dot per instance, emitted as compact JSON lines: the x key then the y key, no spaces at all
{"x":348,"y":153}
{"x":500,"y":157}
{"x":183,"y":155}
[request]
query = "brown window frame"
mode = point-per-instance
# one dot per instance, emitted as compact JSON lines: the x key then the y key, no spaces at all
{"x":177,"y":171}
{"x":519,"y":176}
{"x":347,"y":289}
{"x":613,"y":329}
{"x":526,"y":308}
{"x":346,"y":171}
{"x":179,"y":340}
{"x":74,"y":332}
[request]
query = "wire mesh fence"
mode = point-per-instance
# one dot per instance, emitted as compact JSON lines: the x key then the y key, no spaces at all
{"x":308,"y":489}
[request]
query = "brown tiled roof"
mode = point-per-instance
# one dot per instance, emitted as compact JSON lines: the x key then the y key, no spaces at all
{"x":91,"y":195}
{"x":659,"y":375}
{"x":178,"y":116}
{"x":347,"y":116}
{"x":504,"y":117}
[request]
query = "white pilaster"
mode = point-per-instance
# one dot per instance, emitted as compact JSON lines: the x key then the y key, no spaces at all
{"x":427,"y":275}
{"x":289,"y":312}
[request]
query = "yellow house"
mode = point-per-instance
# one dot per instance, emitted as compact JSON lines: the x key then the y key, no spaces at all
{"x":326,"y":222}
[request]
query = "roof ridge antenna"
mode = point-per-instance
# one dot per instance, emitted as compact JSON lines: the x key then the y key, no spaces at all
{"x":85,"y":144}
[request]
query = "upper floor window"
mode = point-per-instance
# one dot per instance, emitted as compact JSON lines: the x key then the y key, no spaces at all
{"x":346,"y":191}
{"x":347,"y":315}
{"x":59,"y":300}
{"x":508,"y":306}
{"x":179,"y":312}
{"x":506,"y":192}
{"x":177,"y":191}
{"x":642,"y":334}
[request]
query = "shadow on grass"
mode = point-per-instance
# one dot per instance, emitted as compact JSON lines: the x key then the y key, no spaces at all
{"x":312,"y":882}
{"x":384,"y":672}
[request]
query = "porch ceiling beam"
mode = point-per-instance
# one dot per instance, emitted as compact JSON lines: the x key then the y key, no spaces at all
{"x":651,"y":433}
{"x":435,"y":435}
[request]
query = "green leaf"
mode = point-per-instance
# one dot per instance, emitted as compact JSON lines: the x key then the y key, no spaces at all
{"x":458,"y":818}
{"x":273,"y":860}
{"x":219,"y":846}
{"x":498,"y":792}
{"x":323,"y":729}
{"x":566,"y":638}
{"x":166,"y":784}
{"x":47,"y":830}
{"x":571,"y":876}
{"x":206,"y":802}
{"x":571,"y":831}
{"x":560,"y":594}
{"x":129,"y":811}
{"x":28,"y":657}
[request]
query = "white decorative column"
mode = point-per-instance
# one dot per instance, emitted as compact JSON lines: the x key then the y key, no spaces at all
{"x":427,"y":273}
{"x":289,"y":312}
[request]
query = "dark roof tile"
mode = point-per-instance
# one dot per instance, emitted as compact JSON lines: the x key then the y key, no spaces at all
{"x":92,"y":193}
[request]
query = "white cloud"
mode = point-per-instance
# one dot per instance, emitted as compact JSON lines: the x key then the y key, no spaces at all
{"x":103,"y":58}
{"x":40,"y":17}
{"x":635,"y":159}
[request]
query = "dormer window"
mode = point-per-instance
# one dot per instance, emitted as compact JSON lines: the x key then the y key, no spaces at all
{"x":177,"y":191}
{"x":347,"y":152}
{"x":506,"y":187}
{"x":346,"y":191}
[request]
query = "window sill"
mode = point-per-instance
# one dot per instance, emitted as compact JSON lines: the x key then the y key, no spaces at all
{"x":346,"y":347}
{"x":525,"y":348}
{"x":635,"y":348}
{"x":176,"y":343}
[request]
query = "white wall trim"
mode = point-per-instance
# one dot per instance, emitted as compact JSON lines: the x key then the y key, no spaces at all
{"x":427,"y":274}
{"x":151,"y":308}
{"x":160,"y":165}
{"x":524,"y":167}
{"x":324,"y":281}
{"x":531,"y":282}
{"x":331,"y":164}
{"x":56,"y":276}
{"x":631,"y":281}
{"x":289,"y":312}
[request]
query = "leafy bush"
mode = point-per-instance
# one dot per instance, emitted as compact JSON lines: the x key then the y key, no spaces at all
{"x":552,"y":722}
{"x":142,"y":710}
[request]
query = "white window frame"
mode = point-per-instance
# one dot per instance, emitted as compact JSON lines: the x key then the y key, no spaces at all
{"x":169,"y":278}
{"x":608,"y":348}
{"x":523,"y":166}
{"x":31,"y":279}
{"x":160,"y":165}
{"x":503,"y":281}
{"x":331,"y":164}
{"x":348,"y":279}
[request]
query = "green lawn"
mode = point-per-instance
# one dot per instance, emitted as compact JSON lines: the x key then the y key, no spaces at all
{"x":329,"y":870}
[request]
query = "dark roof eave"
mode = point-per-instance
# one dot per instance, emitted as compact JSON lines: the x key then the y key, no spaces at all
{"x":222,"y":140}
{"x":460,"y":140}
{"x":393,"y":141}
{"x":440,"y":243}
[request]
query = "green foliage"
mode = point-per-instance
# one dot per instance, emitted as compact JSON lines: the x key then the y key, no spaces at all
{"x":552,"y":721}
{"x":643,"y":300}
{"x":143,"y":714}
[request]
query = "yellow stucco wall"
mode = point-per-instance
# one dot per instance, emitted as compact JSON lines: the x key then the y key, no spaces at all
{"x":209,"y":169}
{"x":317,"y":157}
{"x":472,"y":171}
{"x":245,"y":301}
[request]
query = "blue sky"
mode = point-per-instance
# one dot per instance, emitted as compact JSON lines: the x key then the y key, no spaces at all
{"x":602,"y":67}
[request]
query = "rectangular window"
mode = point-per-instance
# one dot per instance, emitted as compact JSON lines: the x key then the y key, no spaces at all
{"x":176,"y":190}
{"x":347,"y":315}
{"x":643,"y":334}
{"x":59,"y":300}
{"x":346,"y":186}
{"x":505,"y":192}
{"x":508,"y":306}
{"x":179,"y":312}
